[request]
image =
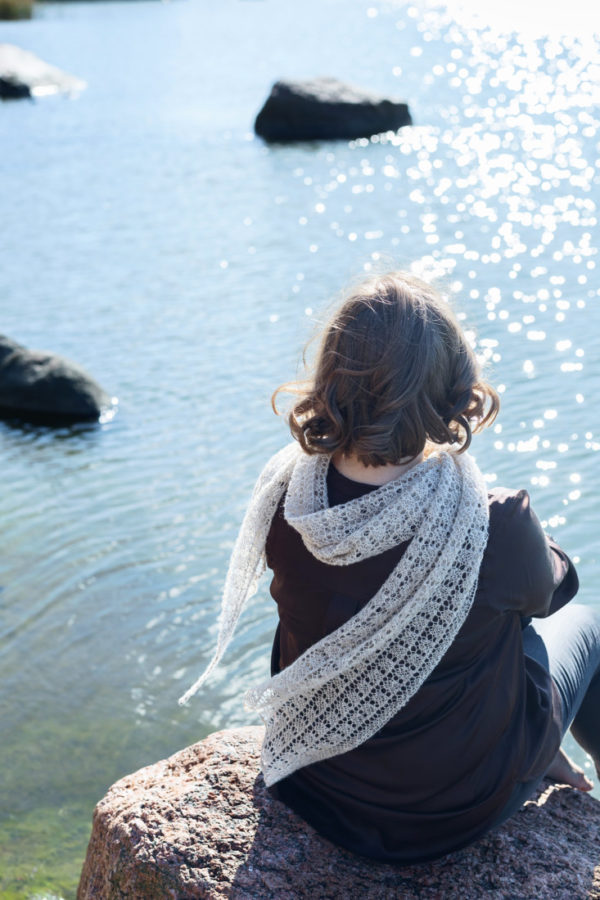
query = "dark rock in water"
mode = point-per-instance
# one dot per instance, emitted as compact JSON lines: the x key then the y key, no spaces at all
{"x":40,"y":386}
{"x":13,"y":89}
{"x":202,"y":824}
{"x":22,"y":74}
{"x":326,"y":108}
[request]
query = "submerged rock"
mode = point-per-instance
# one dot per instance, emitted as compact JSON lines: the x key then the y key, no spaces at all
{"x":23,"y":74}
{"x":43,"y":387}
{"x":202,"y":824}
{"x":326,"y":108}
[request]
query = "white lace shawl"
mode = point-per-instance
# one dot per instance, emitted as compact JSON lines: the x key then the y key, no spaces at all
{"x":344,"y":688}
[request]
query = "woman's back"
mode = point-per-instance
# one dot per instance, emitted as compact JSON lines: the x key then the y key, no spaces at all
{"x":439,"y":772}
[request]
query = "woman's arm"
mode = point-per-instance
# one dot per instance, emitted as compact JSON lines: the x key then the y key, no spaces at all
{"x":565,"y":577}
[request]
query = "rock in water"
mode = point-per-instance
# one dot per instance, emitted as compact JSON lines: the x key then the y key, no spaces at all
{"x":326,"y":108}
{"x":22,"y":74}
{"x":202,"y":824}
{"x":41,"y":386}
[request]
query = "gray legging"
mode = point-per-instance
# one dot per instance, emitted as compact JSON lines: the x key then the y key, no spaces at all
{"x":568,"y":645}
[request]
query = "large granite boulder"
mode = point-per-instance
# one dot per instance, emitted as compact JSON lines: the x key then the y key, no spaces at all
{"x":40,"y":386}
{"x":23,"y":74}
{"x":202,"y":824}
{"x":326,"y":108}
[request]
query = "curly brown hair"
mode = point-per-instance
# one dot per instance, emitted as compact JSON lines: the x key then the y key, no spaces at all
{"x":393,"y":372}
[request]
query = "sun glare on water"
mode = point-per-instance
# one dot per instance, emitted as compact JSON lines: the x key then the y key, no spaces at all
{"x":533,"y":19}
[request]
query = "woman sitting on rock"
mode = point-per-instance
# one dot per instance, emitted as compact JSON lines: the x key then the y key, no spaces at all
{"x":413,"y":706}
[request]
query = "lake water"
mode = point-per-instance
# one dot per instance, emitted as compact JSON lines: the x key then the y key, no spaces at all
{"x":149,"y":236}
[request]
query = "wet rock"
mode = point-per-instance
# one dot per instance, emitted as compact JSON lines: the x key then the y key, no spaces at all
{"x":23,"y":74}
{"x":202,"y":824}
{"x":326,"y":108}
{"x":40,"y":386}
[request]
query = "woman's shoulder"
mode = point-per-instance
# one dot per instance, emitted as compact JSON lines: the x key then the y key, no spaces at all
{"x":510,"y":507}
{"x":518,"y":561}
{"x":515,"y":530}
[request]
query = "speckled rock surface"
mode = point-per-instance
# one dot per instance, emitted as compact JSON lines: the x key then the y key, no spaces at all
{"x":201,"y":824}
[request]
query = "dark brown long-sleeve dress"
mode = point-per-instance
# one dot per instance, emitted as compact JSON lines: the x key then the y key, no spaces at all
{"x":437,"y":775}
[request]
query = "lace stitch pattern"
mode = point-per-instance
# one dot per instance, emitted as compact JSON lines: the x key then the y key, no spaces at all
{"x":343,"y":689}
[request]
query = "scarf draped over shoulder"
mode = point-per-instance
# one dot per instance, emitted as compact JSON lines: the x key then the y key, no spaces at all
{"x":344,"y":688}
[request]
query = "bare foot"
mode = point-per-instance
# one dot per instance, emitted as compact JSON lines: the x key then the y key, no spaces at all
{"x":564,"y":771}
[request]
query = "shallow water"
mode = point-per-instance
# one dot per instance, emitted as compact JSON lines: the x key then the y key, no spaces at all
{"x":184,"y":263}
